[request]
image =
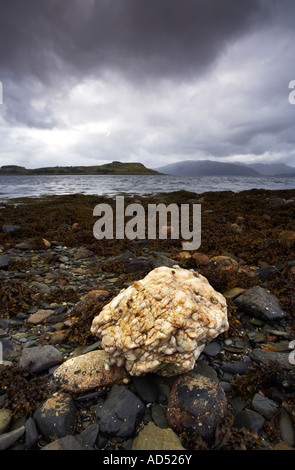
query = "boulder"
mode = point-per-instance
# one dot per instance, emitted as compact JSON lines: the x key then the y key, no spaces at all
{"x":162,"y":322}
{"x":197,"y":403}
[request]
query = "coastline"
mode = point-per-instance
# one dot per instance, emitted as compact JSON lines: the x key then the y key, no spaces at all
{"x":51,"y":263}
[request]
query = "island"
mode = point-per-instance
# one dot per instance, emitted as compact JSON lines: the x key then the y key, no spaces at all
{"x":114,"y":168}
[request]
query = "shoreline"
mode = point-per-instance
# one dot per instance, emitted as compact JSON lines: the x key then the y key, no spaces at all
{"x":55,"y":277}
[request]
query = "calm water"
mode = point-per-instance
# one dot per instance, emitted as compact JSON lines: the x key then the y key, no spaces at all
{"x":33,"y":186}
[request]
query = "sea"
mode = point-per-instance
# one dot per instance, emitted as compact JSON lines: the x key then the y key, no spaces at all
{"x":111,"y":185}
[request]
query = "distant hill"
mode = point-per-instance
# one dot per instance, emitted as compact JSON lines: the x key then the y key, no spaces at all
{"x":207,"y":168}
{"x":114,"y":168}
{"x":273,"y":169}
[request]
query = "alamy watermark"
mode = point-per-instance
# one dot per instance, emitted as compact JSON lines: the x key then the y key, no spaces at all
{"x":292,"y":93}
{"x":143,"y":224}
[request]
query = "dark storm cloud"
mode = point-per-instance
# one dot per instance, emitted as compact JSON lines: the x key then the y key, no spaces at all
{"x":89,"y":80}
{"x":138,"y":37}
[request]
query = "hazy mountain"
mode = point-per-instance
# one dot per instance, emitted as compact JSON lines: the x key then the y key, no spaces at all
{"x":272,"y":169}
{"x":207,"y":168}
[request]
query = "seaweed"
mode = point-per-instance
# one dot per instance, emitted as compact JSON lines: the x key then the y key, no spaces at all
{"x":23,"y":391}
{"x":258,"y":377}
{"x":16,"y":296}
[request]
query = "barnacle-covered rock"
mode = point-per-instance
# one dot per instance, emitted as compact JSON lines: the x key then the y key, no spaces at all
{"x":162,"y":322}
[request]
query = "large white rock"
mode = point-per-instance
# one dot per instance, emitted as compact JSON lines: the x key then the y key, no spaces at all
{"x":162,"y":322}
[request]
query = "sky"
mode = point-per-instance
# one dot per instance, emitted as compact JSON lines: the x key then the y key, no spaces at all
{"x":87,"y":82}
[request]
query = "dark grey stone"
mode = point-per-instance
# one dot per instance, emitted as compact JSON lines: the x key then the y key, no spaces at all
{"x":89,"y":435}
{"x":264,"y":406}
{"x":40,"y":358}
{"x":4,"y":261}
{"x":235,"y":367}
{"x":212,"y":349}
{"x":10,"y":228}
{"x":250,"y":420}
{"x":9,"y":438}
{"x":159,"y":416}
{"x":146,"y":388}
{"x":31,"y":436}
{"x":258,"y":301}
{"x":120,"y":413}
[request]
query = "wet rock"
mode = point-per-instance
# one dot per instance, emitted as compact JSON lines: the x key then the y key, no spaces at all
{"x":162,"y":322}
{"x":24,"y":246}
{"x":197,"y":403}
{"x":4,"y":261}
{"x":67,"y":443}
{"x":235,"y":367}
{"x":146,"y":388}
{"x":249,"y":419}
{"x":258,"y":301}
{"x":212,"y":349}
{"x":201,"y":258}
{"x":40,"y":316}
{"x":5,"y":419}
{"x":89,"y":435}
{"x":287,"y":429}
{"x":152,"y":438}
{"x":40,"y":358}
{"x":120,"y":413}
{"x":86,"y":372}
{"x":56,"y":417}
{"x":159,"y":416}
{"x":31,"y":436}
{"x":264,"y":356}
{"x":10,"y":228}
{"x":9,"y":438}
{"x":267,"y":408}
{"x":223,"y":264}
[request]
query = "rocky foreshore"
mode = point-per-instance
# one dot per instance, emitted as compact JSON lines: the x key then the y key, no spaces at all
{"x":55,"y":278}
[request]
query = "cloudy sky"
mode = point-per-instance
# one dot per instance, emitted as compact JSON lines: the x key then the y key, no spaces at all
{"x":156,"y":81}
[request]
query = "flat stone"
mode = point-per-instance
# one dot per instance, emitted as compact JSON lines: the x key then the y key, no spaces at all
{"x":267,"y":408}
{"x":56,"y":417}
{"x":9,"y":438}
{"x":86,"y":372}
{"x":5,"y":419}
{"x":66,"y":443}
{"x":264,"y":356}
{"x":258,"y":301}
{"x":151,"y":438}
{"x":40,"y":358}
{"x":40,"y":316}
{"x":10,"y":228}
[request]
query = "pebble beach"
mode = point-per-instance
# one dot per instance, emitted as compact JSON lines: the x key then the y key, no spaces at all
{"x":55,"y":277}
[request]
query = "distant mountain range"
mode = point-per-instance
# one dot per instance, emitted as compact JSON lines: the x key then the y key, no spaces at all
{"x":210,"y":168}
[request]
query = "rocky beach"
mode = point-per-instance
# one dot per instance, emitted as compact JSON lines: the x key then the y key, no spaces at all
{"x":57,"y":390}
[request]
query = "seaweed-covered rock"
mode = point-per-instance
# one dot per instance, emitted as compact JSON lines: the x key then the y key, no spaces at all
{"x":162,"y":322}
